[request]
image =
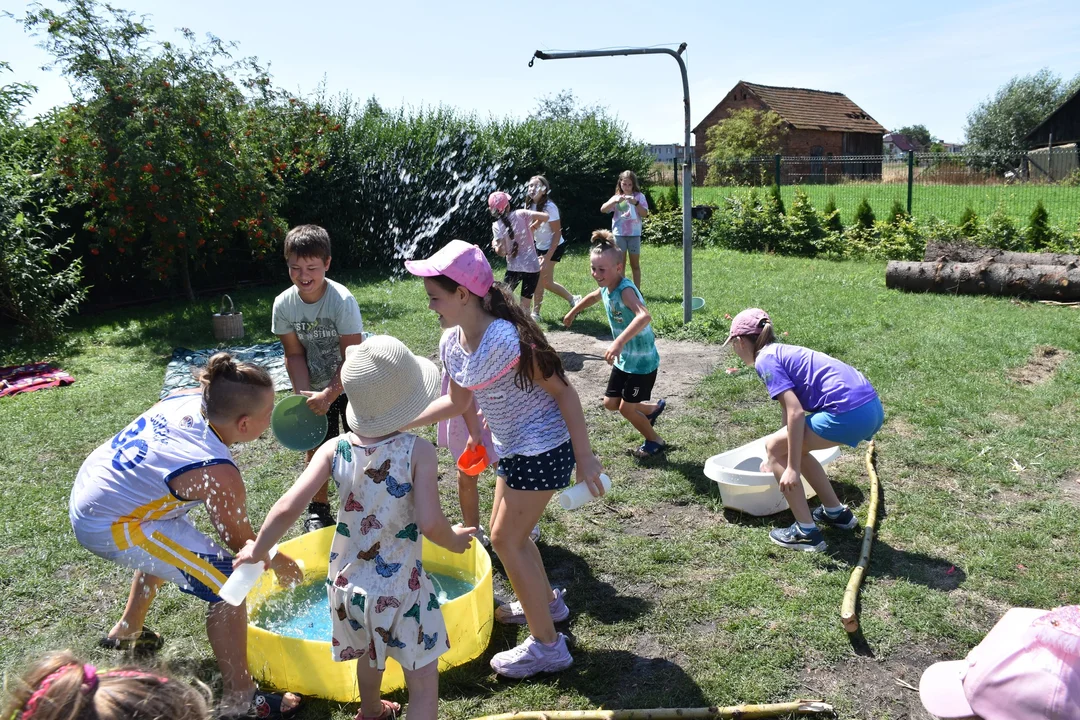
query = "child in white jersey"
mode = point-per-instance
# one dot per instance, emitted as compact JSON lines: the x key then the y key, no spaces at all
{"x":382,"y":602}
{"x":512,"y":237}
{"x":550,"y":243}
{"x":497,"y":356}
{"x":130,"y":505}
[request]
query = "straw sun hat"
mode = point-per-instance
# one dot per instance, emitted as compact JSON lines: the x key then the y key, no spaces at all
{"x":386,"y":384}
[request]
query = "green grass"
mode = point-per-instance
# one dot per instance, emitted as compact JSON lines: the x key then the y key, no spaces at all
{"x":943,"y":201}
{"x":676,"y":602}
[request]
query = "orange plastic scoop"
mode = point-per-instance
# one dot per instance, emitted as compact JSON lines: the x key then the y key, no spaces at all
{"x":473,"y":462}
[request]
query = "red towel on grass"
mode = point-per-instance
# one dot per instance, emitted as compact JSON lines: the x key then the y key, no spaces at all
{"x":28,"y":378}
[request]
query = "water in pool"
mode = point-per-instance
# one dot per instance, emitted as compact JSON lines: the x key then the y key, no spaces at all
{"x":304,"y":612}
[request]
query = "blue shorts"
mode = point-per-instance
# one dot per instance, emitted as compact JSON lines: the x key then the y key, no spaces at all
{"x":851,"y":427}
{"x":550,"y":470}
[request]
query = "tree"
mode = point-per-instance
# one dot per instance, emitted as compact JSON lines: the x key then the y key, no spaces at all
{"x":173,"y":157}
{"x":744,"y":134}
{"x":999,"y":125}
{"x":918,"y":133}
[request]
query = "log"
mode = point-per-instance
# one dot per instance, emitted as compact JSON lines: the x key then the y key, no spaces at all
{"x":960,"y":253}
{"x":1040,"y":282}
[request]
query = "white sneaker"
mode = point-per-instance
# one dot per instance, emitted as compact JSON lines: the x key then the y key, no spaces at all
{"x":577,"y":299}
{"x":532,"y":657}
{"x":513,"y":614}
{"x":535,"y":316}
{"x":481,"y":537}
{"x":534,"y":534}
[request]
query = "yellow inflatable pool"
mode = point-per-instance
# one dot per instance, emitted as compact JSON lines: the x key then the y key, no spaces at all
{"x":306,"y":666}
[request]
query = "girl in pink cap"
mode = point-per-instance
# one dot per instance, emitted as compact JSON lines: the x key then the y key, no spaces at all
{"x":496,"y":356}
{"x":825,"y":402}
{"x":512,"y":237}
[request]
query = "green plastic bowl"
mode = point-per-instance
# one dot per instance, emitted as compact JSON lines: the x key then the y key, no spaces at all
{"x":295,"y":426}
{"x":696,"y":303}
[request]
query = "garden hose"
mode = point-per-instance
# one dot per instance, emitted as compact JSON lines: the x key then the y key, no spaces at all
{"x":800,"y":708}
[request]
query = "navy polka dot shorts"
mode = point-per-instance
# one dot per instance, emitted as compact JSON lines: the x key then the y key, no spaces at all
{"x":547,"y":471}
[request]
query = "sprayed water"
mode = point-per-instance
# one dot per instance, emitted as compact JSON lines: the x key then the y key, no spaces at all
{"x":304,"y":611}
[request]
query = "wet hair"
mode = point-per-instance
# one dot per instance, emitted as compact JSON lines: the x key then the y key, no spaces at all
{"x":539,"y":206}
{"x":512,"y":246}
{"x":308,"y":241}
{"x":535,"y":347}
{"x":633,"y":182}
{"x":765,"y":337}
{"x":230,"y":388}
{"x":62,"y":687}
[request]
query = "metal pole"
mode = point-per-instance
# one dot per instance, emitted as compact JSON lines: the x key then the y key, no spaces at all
{"x":688,"y":285}
{"x":910,"y":178}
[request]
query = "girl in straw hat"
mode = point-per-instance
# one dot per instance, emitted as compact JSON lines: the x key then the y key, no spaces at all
{"x":499,"y":357}
{"x":381,"y":600}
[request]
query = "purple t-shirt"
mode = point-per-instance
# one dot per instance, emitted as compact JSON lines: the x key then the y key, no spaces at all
{"x":819,"y":381}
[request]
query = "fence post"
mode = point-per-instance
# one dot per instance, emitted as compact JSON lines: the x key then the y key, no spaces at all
{"x":910,"y":177}
{"x":777,"y":171}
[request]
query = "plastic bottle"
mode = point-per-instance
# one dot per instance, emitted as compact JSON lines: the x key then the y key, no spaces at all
{"x":577,"y":495}
{"x":243,"y":578}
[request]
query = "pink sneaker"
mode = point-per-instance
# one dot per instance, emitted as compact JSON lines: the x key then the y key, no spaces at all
{"x":532,"y":657}
{"x":514,"y":614}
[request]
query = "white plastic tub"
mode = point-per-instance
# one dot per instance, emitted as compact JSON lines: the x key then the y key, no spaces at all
{"x":745,"y":488}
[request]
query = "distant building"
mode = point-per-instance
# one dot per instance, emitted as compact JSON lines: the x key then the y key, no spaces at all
{"x":820,"y":123}
{"x":897,"y":145}
{"x":953,"y":147}
{"x":669,"y":152}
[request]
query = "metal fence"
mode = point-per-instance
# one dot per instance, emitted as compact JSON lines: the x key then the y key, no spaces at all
{"x":924,"y":185}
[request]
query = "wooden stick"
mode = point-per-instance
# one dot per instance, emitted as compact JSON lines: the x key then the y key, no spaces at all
{"x":735,"y":712}
{"x":847,"y":610}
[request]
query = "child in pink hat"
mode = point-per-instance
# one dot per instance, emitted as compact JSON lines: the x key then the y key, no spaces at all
{"x":499,"y":358}
{"x":1026,"y":668}
{"x":512,"y":237}
{"x":826,"y":402}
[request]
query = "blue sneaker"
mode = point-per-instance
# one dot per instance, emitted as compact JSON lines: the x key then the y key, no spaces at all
{"x":846,"y":520}
{"x":794,"y":538}
{"x":661,"y":404}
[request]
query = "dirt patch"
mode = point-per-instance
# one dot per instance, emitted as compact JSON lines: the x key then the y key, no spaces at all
{"x":1070,"y":487}
{"x":682,"y":365}
{"x":878,"y":689}
{"x":1040,"y":367}
{"x":668,"y":521}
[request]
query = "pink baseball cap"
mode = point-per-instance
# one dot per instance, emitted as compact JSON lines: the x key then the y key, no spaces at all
{"x":498,"y":201}
{"x":460,"y":261}
{"x":748,"y":322}
{"x":1026,"y":668}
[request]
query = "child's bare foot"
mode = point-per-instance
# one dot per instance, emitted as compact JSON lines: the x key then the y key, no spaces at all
{"x":389,"y":712}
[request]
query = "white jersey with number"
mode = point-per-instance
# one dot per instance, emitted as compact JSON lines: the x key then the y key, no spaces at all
{"x":124,"y":483}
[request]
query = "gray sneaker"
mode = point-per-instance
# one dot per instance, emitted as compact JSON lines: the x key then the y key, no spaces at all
{"x":846,"y":520}
{"x":532,"y":657}
{"x":576,"y":299}
{"x":534,"y":534}
{"x":514,"y":614}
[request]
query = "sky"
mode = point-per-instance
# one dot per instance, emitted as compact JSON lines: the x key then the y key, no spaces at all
{"x":920,"y":62}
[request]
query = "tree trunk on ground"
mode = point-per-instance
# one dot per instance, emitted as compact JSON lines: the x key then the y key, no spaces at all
{"x":1041,"y":282}
{"x":960,"y":253}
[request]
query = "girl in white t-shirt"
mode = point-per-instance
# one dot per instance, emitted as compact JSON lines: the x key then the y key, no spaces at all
{"x":496,"y":356}
{"x":550,"y":244}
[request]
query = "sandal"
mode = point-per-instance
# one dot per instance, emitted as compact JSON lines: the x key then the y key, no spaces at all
{"x":660,"y":405}
{"x":265,"y":706}
{"x":647,"y":450}
{"x":146,"y":641}
{"x":389,"y":712}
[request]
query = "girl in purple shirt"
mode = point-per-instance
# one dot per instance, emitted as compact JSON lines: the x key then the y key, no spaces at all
{"x":825,"y":402}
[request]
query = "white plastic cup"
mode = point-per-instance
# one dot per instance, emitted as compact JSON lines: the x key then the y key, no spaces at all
{"x":577,"y":495}
{"x":243,"y":579}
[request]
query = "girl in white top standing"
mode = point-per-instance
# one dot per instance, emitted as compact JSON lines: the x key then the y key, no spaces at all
{"x":550,"y":244}
{"x":628,"y":207}
{"x":497,"y":356}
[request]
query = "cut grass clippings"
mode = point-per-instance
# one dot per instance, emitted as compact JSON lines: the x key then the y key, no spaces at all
{"x":674,"y":601}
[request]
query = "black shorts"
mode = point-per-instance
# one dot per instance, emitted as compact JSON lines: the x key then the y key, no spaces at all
{"x":547,"y":471}
{"x":335,"y":418}
{"x":528,"y":282}
{"x":630,"y":387}
{"x":557,"y":255}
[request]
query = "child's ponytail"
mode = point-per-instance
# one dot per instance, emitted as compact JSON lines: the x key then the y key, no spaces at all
{"x":767,"y":336}
{"x":230,"y":388}
{"x":500,"y":302}
{"x":504,"y":218}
